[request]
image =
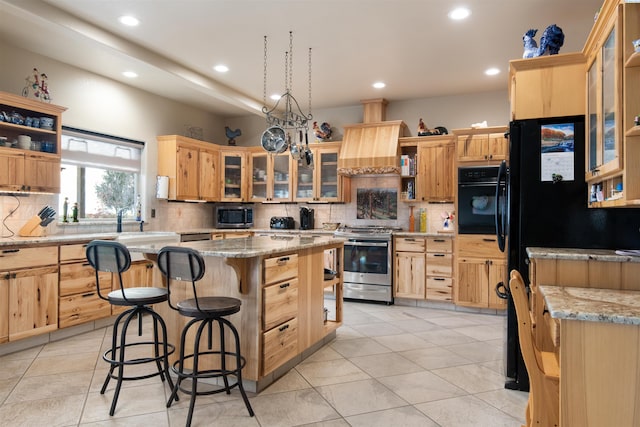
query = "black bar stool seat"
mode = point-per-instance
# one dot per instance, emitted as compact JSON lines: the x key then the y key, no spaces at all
{"x":187,"y":265}
{"x":113,"y":257}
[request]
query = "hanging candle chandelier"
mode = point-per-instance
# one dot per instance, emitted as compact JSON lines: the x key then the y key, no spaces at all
{"x":287,"y":124}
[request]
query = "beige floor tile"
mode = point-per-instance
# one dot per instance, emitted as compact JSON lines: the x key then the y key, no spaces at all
{"x":477,"y":351}
{"x":402,"y":342}
{"x":391,"y":315}
{"x":132,"y":401}
{"x":219,"y":414}
{"x":325,"y":353}
{"x":466,"y":411}
{"x":292,"y":408}
{"x":51,"y":386}
{"x":347,"y":333}
{"x":414,"y":325}
{"x":453,"y":321}
{"x":377,"y":329}
{"x":352,"y":318}
{"x":14,"y":368}
{"x":57,"y":411}
{"x":406,"y":416}
{"x":331,"y":372}
{"x":421,"y":387}
{"x":511,"y":402}
{"x":62,"y":364}
{"x":384,"y":365}
{"x":434,"y":357}
{"x":157,"y":419}
{"x":472,"y":378}
{"x":6,"y":386}
{"x":332,"y":423}
{"x":444,"y":337}
{"x":291,"y":381}
{"x":360,"y":397}
{"x":28,"y":354}
{"x":359,"y":347}
{"x":481,"y":332}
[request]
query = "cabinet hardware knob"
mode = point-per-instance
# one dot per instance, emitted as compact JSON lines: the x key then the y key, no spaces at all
{"x":283,"y":328}
{"x":488,"y":240}
{"x":440,"y":255}
{"x":90,"y":294}
{"x":439,"y":279}
{"x":10,"y":251}
{"x":410,"y":240}
{"x":439,"y":240}
{"x":285,"y":285}
{"x":283,"y":260}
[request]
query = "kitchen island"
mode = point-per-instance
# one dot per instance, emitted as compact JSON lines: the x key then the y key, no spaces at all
{"x":288,"y":309}
{"x":599,"y":347}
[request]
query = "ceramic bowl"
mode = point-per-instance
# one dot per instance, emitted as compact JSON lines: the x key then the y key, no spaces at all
{"x":46,"y":122}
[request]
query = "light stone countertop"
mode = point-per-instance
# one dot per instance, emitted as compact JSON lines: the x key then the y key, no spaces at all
{"x":592,"y":304}
{"x":608,"y":255}
{"x":247,"y":247}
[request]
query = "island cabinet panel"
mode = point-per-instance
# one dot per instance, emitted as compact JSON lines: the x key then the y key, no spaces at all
{"x":280,"y":302}
{"x":280,"y":268}
{"x":4,"y":309}
{"x":279,"y":345}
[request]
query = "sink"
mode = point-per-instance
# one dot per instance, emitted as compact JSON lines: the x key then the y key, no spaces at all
{"x":147,"y":238}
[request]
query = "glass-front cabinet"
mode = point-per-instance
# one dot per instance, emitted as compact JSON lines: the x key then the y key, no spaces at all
{"x":270,"y":177}
{"x":233,"y":182}
{"x":320,"y":182}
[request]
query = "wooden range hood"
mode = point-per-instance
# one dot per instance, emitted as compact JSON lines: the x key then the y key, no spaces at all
{"x":371,"y":148}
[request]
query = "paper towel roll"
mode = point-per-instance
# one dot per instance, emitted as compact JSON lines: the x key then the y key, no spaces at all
{"x":162,"y":187}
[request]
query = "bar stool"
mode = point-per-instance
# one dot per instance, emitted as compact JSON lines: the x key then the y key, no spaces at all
{"x":187,"y":265}
{"x":114,"y":257}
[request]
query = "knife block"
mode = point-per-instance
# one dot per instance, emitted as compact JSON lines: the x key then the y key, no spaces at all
{"x":32,"y":228}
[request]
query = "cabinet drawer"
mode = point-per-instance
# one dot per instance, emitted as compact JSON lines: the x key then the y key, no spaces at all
{"x":81,"y":308}
{"x":437,"y":244}
{"x":280,"y":303}
{"x":410,"y":244}
{"x":279,"y":345}
{"x":81,"y":278}
{"x":439,"y":288}
{"x":73,"y":252}
{"x":280,"y":268}
{"x":13,"y":259}
{"x":439,"y":264}
{"x":479,"y":246}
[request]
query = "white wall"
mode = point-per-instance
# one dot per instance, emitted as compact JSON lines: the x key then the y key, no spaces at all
{"x":102,"y":105}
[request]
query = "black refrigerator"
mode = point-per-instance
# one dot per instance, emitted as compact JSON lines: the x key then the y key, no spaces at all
{"x":547,"y":199}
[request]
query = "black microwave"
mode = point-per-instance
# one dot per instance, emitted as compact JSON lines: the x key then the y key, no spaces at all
{"x":234,"y":217}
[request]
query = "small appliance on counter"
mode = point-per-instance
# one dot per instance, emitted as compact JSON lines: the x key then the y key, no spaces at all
{"x":36,"y":226}
{"x":306,"y":219}
{"x":282,"y":223}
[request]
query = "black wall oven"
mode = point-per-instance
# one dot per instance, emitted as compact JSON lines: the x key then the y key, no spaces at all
{"x":480,"y":199}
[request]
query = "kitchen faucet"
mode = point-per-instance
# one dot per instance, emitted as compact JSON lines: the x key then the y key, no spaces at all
{"x":119,"y":221}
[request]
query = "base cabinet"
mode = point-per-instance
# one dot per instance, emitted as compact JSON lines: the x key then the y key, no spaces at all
{"x":480,"y":268}
{"x":33,"y":301}
{"x":4,"y":310}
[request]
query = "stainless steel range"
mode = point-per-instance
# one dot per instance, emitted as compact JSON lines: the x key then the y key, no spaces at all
{"x":367,"y":262}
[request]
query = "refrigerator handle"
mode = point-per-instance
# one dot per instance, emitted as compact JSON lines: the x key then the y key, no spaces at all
{"x":501,"y":291}
{"x":499,"y":214}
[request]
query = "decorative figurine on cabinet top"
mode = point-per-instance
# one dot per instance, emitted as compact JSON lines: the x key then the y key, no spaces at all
{"x":551,"y":41}
{"x":423,"y":130}
{"x":322,"y":132}
{"x":232,"y":134}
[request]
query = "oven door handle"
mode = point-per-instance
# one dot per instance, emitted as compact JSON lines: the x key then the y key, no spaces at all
{"x":379,"y":245}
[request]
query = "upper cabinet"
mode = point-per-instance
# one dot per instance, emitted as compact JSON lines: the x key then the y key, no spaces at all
{"x":192,"y":167}
{"x":483,"y":145}
{"x":270,"y":176}
{"x":547,"y":86}
{"x":322,"y":182}
{"x":612,"y":87}
{"x":35,"y":165}
{"x":234,"y":181}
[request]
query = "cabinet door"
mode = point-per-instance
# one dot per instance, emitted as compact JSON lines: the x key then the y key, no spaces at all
{"x":472,"y":147}
{"x":187,"y":173}
{"x":280,"y":174}
{"x":4,"y":307}
{"x":497,"y":147}
{"x":327,"y":180}
{"x":436,"y":172}
{"x":497,"y":273}
{"x":11,"y":170}
{"x":472,"y":284}
{"x":410,"y":275}
{"x":259,"y":176}
{"x":209,"y":180}
{"x":42,"y":173}
{"x":233,"y":181}
{"x":33,"y":302}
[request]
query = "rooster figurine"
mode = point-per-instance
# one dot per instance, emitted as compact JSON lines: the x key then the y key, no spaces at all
{"x":232,"y":134}
{"x":322,"y":132}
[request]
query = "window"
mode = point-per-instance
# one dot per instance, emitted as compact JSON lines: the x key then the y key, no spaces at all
{"x":100,"y":173}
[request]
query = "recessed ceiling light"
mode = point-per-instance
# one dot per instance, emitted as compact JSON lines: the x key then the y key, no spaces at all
{"x":459,"y":13}
{"x":379,"y":85}
{"x":130,"y":74}
{"x":492,"y":71}
{"x":221,"y":68}
{"x":128,"y":20}
{"x":275,"y":96}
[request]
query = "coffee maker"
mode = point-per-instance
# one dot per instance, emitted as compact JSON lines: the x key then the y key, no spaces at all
{"x":306,"y":218}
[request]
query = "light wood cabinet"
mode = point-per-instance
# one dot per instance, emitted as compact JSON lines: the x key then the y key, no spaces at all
{"x":4,"y":309}
{"x":546,"y":86}
{"x":613,"y":84}
{"x":436,"y":170}
{"x":439,"y":261}
{"x":480,"y":267}
{"x":322,"y":182}
{"x":234,"y":181}
{"x":192,"y":168}
{"x":486,"y":145}
{"x":270,"y":176}
{"x":30,"y":170}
